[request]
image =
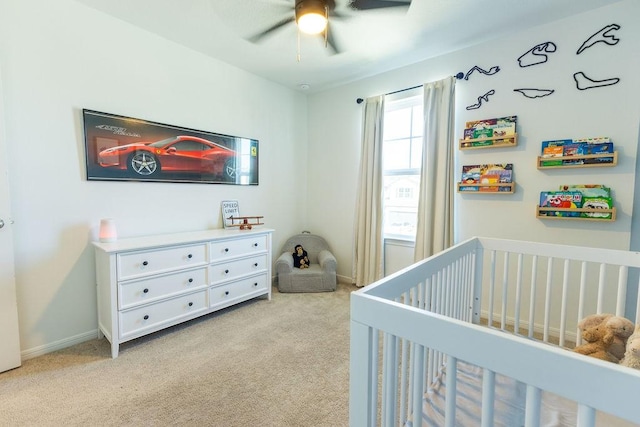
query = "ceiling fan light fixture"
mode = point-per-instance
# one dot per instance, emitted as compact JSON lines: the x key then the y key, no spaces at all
{"x":311,"y":16}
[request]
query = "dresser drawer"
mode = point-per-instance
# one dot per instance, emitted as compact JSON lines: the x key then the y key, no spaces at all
{"x":150,"y":316}
{"x":144,"y":263}
{"x":152,"y":289}
{"x":225,"y":249}
{"x":236,"y":290}
{"x":233,"y":269}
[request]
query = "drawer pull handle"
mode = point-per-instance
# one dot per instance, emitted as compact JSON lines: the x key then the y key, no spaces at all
{"x":255,"y":284}
{"x":226,"y":249}
{"x":255,"y":245}
{"x":226,"y":272}
{"x":146,"y":317}
{"x":255,"y":265}
{"x":189,"y":256}
{"x":190,"y":280}
{"x":190,"y":304}
{"x":145,"y":290}
{"x":226,"y":292}
{"x":145,"y":263}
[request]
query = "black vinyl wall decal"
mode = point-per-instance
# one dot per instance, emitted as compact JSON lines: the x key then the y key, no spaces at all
{"x":491,"y":71}
{"x":603,"y":36}
{"x":535,"y":93}
{"x":484,"y":98}
{"x":583,"y":82}
{"x":537,"y":54}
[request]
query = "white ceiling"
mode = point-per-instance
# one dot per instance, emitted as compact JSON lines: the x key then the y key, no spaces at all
{"x":371,"y":41}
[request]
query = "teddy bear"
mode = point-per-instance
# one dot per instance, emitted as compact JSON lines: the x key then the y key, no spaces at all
{"x":621,"y":328}
{"x":632,"y":354}
{"x":300,"y":257}
{"x":598,"y":341}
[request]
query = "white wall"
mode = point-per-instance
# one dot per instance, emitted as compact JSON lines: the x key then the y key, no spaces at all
{"x":60,"y":57}
{"x":568,"y":113}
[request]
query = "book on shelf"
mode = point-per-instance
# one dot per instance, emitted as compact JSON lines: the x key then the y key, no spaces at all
{"x":578,"y":147}
{"x":491,"y":128}
{"x":560,"y":199}
{"x":487,"y":174}
{"x":594,"y":196}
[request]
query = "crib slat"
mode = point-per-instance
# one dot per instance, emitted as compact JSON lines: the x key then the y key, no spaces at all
{"x":417,"y":381}
{"x":505,"y":286}
{"x":532,"y":298}
{"x":389,"y":380}
{"x":404,"y":379}
{"x":563,"y":311}
{"x":492,"y":287}
{"x":581,"y":299}
{"x":638,"y":303}
{"x":623,"y":276}
{"x":547,"y":300}
{"x":518,"y":302}
{"x":532,"y":408}
{"x":451,"y":392}
{"x":586,"y":416}
{"x":601,"y":284}
{"x":488,"y":397}
{"x":375,"y":357}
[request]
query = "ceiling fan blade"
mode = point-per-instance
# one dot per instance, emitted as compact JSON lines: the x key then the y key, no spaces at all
{"x":378,"y":4}
{"x":256,"y":37}
{"x":331,"y":42}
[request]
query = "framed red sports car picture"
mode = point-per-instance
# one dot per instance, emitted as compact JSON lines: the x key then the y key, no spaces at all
{"x":124,"y":149}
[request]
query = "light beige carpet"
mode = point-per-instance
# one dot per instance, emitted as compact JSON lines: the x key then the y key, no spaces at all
{"x":283,"y":362}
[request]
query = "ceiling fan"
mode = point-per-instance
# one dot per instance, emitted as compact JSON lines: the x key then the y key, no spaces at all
{"x":312,"y":17}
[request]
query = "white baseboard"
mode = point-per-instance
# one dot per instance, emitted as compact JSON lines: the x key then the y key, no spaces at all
{"x":58,"y":345}
{"x":345,"y":279}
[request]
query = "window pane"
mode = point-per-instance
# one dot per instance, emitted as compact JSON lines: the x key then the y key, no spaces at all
{"x":417,"y":126}
{"x":402,"y":151}
{"x":396,"y":154}
{"x":416,"y":153}
{"x":401,"y":205}
{"x":397,"y":124}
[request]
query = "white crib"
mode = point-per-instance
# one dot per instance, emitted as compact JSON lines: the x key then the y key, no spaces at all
{"x":411,"y":331}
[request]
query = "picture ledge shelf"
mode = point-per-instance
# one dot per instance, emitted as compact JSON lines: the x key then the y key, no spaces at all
{"x":540,"y":213}
{"x":495,"y":188}
{"x":613,"y":155}
{"x":491,"y":142}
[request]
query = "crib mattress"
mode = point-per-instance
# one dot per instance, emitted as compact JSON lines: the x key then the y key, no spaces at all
{"x":509,"y":409}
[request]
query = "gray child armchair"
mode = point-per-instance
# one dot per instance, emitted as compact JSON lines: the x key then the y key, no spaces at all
{"x":321,"y":274}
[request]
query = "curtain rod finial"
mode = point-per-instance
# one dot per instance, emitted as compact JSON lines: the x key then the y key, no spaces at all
{"x":460,"y":75}
{"x":359,"y":100}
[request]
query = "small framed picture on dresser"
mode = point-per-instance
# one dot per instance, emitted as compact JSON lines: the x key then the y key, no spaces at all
{"x":230,"y":209}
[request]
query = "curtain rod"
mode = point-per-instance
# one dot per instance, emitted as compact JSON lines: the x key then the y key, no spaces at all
{"x":458,"y":76}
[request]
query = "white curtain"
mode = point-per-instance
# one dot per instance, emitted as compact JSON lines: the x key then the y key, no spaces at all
{"x":368,"y":248}
{"x":435,"y":207}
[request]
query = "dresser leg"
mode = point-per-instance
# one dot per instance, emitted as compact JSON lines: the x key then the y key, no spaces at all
{"x":114,"y":350}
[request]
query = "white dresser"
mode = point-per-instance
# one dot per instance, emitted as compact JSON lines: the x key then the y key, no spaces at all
{"x":149,"y":283}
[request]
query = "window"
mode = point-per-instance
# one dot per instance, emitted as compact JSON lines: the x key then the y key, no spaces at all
{"x":402,"y":158}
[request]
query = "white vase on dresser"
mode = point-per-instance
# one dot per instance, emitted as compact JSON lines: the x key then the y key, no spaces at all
{"x":146,"y":284}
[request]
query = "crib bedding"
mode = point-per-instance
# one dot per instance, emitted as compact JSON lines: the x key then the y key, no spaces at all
{"x":509,"y":408}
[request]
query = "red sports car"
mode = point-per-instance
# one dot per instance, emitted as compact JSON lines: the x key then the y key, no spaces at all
{"x":181,"y":154}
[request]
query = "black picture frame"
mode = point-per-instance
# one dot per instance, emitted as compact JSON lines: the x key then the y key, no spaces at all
{"x":120,"y":148}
